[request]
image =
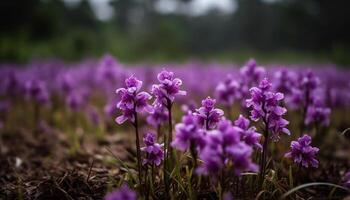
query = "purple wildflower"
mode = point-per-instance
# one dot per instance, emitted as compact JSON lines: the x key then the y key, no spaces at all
{"x":123,"y":193}
{"x":75,"y":100}
{"x":302,"y":153}
{"x":66,"y":83}
{"x":132,"y":100}
{"x":167,"y":88}
{"x":227,"y":91}
{"x":224,"y":146}
{"x":284,"y":81}
{"x":208,"y":115}
{"x":242,"y":122}
{"x":315,"y":114}
{"x":12,"y":85}
{"x":251,"y":74}
{"x":36,"y":90}
{"x":248,"y":134}
{"x":159,"y":116}
{"x":149,"y":139}
{"x":241,"y":157}
{"x":153,"y":150}
{"x":265,"y":107}
{"x":188,"y":133}
{"x":302,"y":95}
{"x":346,"y":179}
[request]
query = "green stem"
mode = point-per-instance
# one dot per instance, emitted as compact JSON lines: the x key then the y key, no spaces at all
{"x":138,"y":151}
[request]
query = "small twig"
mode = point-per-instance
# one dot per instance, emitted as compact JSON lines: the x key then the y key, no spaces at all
{"x":64,"y":192}
{"x":62,"y":179}
{"x":88,"y":177}
{"x":345,"y":131}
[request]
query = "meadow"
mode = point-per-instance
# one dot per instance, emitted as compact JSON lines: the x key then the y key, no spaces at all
{"x":102,"y":129}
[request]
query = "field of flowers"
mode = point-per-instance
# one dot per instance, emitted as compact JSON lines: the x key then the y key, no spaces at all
{"x":107,"y":130}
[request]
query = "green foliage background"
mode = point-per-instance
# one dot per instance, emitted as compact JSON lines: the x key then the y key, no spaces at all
{"x":282,"y":31}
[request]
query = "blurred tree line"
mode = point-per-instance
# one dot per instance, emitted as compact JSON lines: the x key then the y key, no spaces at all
{"x":137,"y":31}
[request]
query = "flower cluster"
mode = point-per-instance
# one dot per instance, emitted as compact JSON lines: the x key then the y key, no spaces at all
{"x":250,"y":75}
{"x":307,"y":95}
{"x":123,"y":193}
{"x":167,"y":88}
{"x":208,"y":115}
{"x":188,"y":132}
{"x":36,"y":90}
{"x":302,"y":93}
{"x":159,"y":116}
{"x":265,"y":107}
{"x":153,"y":150}
{"x":12,"y":85}
{"x":228,"y":90}
{"x":284,"y":81}
{"x":132,"y":101}
{"x":302,"y":153}
{"x":318,"y":114}
{"x":223,"y":146}
{"x":248,"y":134}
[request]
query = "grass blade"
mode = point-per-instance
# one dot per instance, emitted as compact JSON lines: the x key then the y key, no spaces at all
{"x":312,"y":184}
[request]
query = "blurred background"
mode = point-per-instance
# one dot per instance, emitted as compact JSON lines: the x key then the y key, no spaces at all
{"x":176,"y":30}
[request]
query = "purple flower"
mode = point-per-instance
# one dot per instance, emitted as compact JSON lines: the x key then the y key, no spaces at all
{"x":167,"y":88}
{"x":132,"y":101}
{"x":315,"y":114}
{"x":228,"y":90}
{"x":250,"y":75}
{"x":223,"y":146}
{"x":302,"y":153}
{"x":303,"y":94}
{"x":212,"y":161}
{"x":188,"y":133}
{"x":123,"y":193}
{"x":240,"y":154}
{"x":159,"y":116}
{"x":346,"y":179}
{"x":66,"y":83}
{"x":149,"y":139}
{"x":284,"y":81}
{"x":242,"y":122}
{"x":154,"y":151}
{"x":309,"y":81}
{"x":265,"y":107}
{"x":208,"y":115}
{"x":251,"y":72}
{"x":37,"y":91}
{"x":248,"y":134}
{"x":12,"y":85}
{"x":75,"y":101}
{"x":108,"y":71}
